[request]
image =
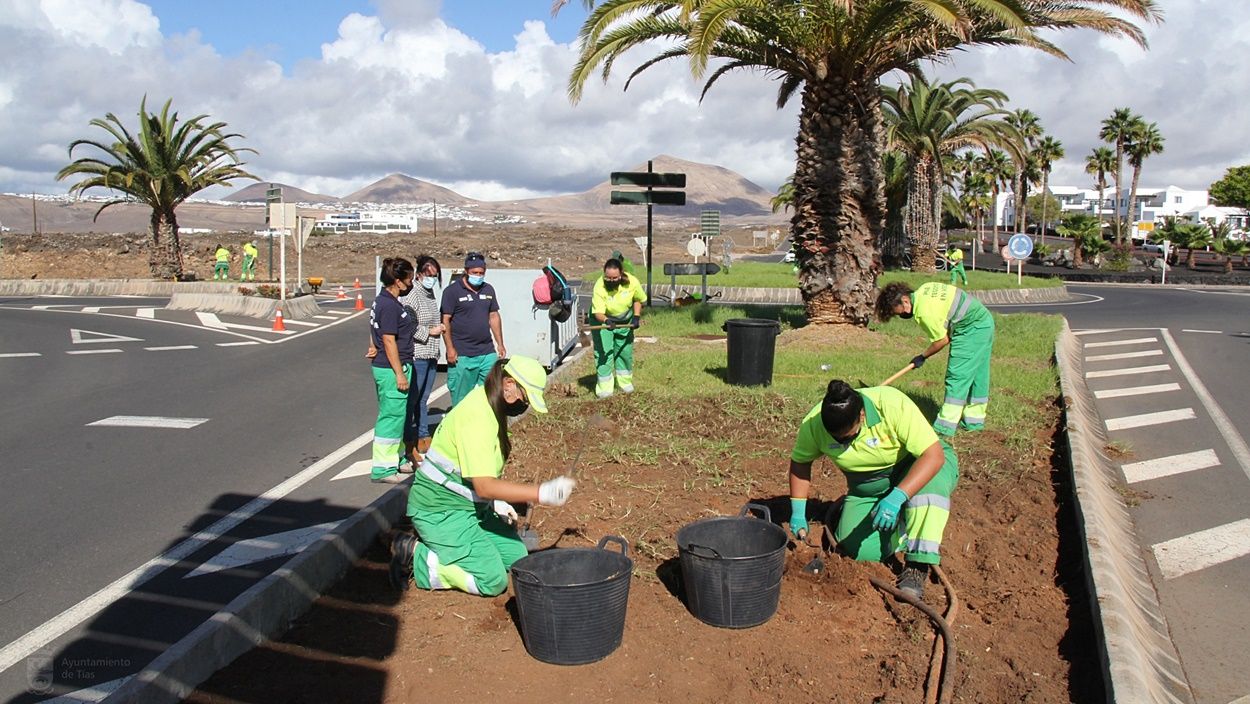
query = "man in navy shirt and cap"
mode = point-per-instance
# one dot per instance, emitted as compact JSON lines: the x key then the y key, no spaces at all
{"x":473,"y":328}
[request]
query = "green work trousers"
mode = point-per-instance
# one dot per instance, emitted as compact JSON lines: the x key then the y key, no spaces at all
{"x":967,"y":377}
{"x":958,"y":271}
{"x":467,"y":374}
{"x":466,"y":550}
{"x":221,"y":270}
{"x":920,"y":527}
{"x":249,"y":268}
{"x":614,"y":359}
{"x":388,"y":432}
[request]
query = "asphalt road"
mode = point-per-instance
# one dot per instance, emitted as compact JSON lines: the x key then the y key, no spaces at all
{"x":1169,"y":366}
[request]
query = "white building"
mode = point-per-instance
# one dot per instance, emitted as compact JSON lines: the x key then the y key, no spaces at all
{"x":1150,"y":206}
{"x":368,"y":221}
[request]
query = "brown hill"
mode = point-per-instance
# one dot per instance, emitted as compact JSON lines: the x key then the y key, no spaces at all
{"x":255,"y":193}
{"x":398,"y":188}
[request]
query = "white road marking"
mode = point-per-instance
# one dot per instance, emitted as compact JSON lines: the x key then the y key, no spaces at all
{"x":1092,"y":299}
{"x":355,"y":469}
{"x":255,"y":328}
{"x":149,"y":422}
{"x":1095,"y":331}
{"x":50,"y":307}
{"x":245,"y":552}
{"x":325,"y":317}
{"x":210,"y":320}
{"x":168,"y":348}
{"x":62,"y":623}
{"x":339,"y":312}
{"x":90,"y":695}
{"x":1114,"y":343}
{"x":1124,"y":355}
{"x":157,"y":320}
{"x":1218,"y":416}
{"x":1204,"y":332}
{"x":1145,"y":419}
{"x":1168,"y":466}
{"x":1216,"y":293}
{"x":1241,"y":700}
{"x":87,"y":337}
{"x":91,"y":309}
{"x":237,"y":344}
{"x":1206,"y":548}
{"x":1127,"y":371}
{"x":304,"y":323}
{"x":149,"y":313}
{"x":1137,"y":390}
{"x":112,"y":350}
{"x":21,"y":354}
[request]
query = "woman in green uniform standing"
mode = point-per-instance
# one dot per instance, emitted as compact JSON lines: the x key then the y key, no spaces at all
{"x":949,"y":316}
{"x":459,"y":504}
{"x":899,"y":476}
{"x":390,"y":355}
{"x":617,"y":303}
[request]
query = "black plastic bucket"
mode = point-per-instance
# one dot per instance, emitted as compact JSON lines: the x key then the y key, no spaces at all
{"x":572,"y":601}
{"x":731,"y":568}
{"x":751,"y":344}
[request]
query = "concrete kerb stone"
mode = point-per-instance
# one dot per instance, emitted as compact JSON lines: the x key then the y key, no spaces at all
{"x":110,"y":287}
{"x":251,"y":306}
{"x":1139,"y":660}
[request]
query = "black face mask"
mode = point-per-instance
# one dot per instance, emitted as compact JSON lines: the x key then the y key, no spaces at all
{"x":516,"y":408}
{"x":611,"y":285}
{"x":905,"y":316}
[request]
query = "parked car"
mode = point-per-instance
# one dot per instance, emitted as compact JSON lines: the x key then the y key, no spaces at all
{"x":789,"y":258}
{"x":1153,"y":247}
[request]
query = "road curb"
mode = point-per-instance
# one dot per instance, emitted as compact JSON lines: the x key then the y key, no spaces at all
{"x":1139,"y":660}
{"x":296,"y":308}
{"x":111,"y":287}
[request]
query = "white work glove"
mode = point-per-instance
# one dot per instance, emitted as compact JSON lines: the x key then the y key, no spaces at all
{"x":505,"y":511}
{"x":556,"y":491}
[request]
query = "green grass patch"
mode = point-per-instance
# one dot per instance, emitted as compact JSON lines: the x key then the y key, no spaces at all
{"x":750,"y":274}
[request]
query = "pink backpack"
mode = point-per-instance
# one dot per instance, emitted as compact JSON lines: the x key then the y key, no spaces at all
{"x":542,"y":291}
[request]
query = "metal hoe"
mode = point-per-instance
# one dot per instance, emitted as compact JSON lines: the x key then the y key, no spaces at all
{"x":528,"y":535}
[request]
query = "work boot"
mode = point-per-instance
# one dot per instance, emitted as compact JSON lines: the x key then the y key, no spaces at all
{"x":911,"y":580}
{"x":403,"y":545}
{"x":391,"y":478}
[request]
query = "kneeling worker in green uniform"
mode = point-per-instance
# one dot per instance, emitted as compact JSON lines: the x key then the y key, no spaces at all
{"x":899,"y":477}
{"x":458,"y":503}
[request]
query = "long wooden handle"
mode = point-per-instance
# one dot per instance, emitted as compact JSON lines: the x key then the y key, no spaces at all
{"x":898,"y":374}
{"x":605,"y":327}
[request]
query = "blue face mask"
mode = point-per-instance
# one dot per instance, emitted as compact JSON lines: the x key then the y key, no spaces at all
{"x":429,"y":282}
{"x":476,"y":280}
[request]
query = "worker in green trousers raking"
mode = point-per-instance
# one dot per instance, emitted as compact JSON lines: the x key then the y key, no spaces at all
{"x":952,"y":317}
{"x":616,"y":303}
{"x":899,"y":477}
{"x":956,"y":259}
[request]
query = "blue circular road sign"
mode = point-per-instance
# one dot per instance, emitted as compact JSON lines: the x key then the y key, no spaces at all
{"x":1020,"y":246}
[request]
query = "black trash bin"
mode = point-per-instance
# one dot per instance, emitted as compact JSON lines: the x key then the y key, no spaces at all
{"x":751,"y":343}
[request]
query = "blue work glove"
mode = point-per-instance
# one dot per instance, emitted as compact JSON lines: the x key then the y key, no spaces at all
{"x":917,"y":361}
{"x":798,"y":517}
{"x":885,"y":513}
{"x":636,"y":321}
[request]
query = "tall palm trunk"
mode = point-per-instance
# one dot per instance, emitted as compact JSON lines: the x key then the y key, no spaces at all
{"x":164,"y":250}
{"x":1228,"y":263}
{"x":1132,"y":198}
{"x":894,"y":238}
{"x":923,"y":199}
{"x":1119,"y":178}
{"x":994,"y":207}
{"x":1045,"y":188}
{"x":839,"y":200}
{"x":1102,"y":198}
{"x":1023,"y":197}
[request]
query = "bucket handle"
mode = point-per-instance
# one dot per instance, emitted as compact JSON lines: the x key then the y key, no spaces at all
{"x":518,"y":573}
{"x":614,"y":539}
{"x":694,"y":549}
{"x":768,"y":515}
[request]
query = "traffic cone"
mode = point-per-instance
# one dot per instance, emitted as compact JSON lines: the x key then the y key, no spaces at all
{"x":278,"y":325}
{"x":342,"y":294}
{"x":357,"y":283}
{"x":360,"y":302}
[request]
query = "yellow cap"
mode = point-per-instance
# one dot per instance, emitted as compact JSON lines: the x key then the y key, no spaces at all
{"x":531,"y":374}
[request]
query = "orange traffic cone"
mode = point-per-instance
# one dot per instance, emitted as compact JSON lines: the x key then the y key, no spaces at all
{"x":278,"y":326}
{"x":342,"y":294}
{"x":360,"y":302}
{"x":357,"y":282}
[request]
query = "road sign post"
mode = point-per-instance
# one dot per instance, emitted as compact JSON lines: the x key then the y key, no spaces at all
{"x":273,"y":194}
{"x":649,"y":197}
{"x":674,"y":270}
{"x":1020,"y":246}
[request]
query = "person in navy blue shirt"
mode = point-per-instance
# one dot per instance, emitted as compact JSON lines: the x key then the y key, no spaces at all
{"x":472,"y":328}
{"x":391,"y":326}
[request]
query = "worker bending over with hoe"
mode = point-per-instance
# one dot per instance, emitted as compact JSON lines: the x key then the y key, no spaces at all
{"x":617,"y":303}
{"x":458,"y":503}
{"x":221,"y":266}
{"x":899,"y":477}
{"x":956,"y":259}
{"x":949,"y":316}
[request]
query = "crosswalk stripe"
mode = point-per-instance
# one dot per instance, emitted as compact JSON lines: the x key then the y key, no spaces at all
{"x":1124,"y":355}
{"x":1204,"y":332}
{"x":210,"y":320}
{"x":168,"y":348}
{"x":149,"y":313}
{"x":1116,"y":343}
{"x":1167,"y":466}
{"x":1145,"y":419}
{"x":325,"y":317}
{"x":1206,"y":548}
{"x":91,"y":309}
{"x":1137,"y":390}
{"x":339,"y":312}
{"x":1126,"y":371}
{"x":20,"y":354}
{"x":112,"y":350}
{"x":149,"y":422}
{"x":237,"y":344}
{"x":303,"y":323}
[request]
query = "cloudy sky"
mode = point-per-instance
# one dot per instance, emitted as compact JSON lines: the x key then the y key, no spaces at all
{"x":470,"y":94}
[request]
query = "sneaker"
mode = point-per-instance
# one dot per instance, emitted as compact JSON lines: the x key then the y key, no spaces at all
{"x":409,"y":465}
{"x":603,"y":394}
{"x":390,"y":479}
{"x":627,"y":388}
{"x":403,"y":545}
{"x":911,"y":581}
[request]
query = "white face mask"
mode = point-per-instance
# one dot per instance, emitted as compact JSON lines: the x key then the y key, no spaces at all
{"x":429,"y":282}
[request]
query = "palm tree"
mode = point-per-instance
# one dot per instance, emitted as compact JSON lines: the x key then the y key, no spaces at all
{"x":1192,"y":236}
{"x":893,"y":243}
{"x":997,"y":166}
{"x":1115,"y":129}
{"x":929,"y":122}
{"x":1045,"y":154}
{"x":975,"y":199}
{"x":1085,"y":231}
{"x":784,"y":200}
{"x":832,"y":55}
{"x":161,"y":166}
{"x":1144,"y":140}
{"x":1100,"y":162}
{"x":1225,"y":245}
{"x":1028,"y":128}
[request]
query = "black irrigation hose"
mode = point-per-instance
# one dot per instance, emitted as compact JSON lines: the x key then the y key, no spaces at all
{"x":948,"y":638}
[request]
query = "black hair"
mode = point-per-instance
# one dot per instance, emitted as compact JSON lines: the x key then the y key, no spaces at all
{"x":840,"y":408}
{"x":423,"y":260}
{"x":395,"y":269}
{"x":890,"y":297}
{"x":614,"y":263}
{"x":494,"y":395}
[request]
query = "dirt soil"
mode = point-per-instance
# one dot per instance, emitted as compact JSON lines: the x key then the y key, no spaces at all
{"x":1023,"y":633}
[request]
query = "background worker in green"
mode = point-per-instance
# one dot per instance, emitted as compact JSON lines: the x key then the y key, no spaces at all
{"x":458,"y":503}
{"x":893,"y":462}
{"x":949,"y":316}
{"x":221,"y":270}
{"x":391,"y":327}
{"x":470,"y":311}
{"x":956,"y":259}
{"x":616,"y":302}
{"x":249,"y":262}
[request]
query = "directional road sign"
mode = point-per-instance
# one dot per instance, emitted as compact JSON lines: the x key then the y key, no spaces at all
{"x":691,"y":269}
{"x":1020,"y":246}
{"x":645,"y":178}
{"x":649,"y":197}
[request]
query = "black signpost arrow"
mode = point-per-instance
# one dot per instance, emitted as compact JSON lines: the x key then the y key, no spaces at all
{"x":649,"y":197}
